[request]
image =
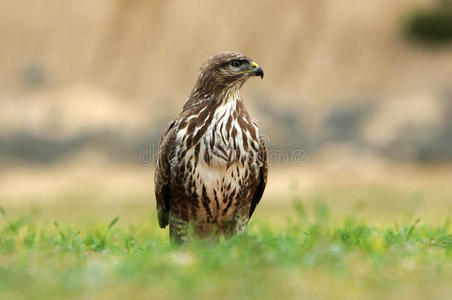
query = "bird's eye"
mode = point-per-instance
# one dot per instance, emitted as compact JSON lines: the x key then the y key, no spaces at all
{"x":235,"y":63}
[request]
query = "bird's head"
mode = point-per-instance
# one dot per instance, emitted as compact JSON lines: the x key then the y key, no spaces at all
{"x":227,"y":70}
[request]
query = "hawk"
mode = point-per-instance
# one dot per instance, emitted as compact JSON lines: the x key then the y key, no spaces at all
{"x":211,"y":168}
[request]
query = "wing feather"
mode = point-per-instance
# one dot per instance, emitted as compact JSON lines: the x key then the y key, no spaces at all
{"x":263,"y":174}
{"x":163,"y":174}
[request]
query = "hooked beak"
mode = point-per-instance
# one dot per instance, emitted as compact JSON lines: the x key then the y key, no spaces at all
{"x":256,"y":70}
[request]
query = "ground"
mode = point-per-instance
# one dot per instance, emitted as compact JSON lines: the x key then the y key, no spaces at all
{"x":329,"y":239}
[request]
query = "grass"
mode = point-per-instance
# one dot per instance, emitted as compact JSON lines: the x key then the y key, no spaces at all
{"x":313,"y":255}
{"x":338,"y":237}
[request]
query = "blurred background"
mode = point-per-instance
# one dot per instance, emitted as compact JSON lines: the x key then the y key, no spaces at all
{"x":364,"y":92}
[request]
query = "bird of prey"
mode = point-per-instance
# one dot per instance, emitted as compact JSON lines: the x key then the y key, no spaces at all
{"x":211,"y":167}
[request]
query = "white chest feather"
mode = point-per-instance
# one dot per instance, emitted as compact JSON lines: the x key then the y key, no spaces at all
{"x":222,"y":163}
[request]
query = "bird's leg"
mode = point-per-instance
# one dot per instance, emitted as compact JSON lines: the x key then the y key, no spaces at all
{"x":235,"y":226}
{"x":178,"y":230}
{"x":241,"y":224}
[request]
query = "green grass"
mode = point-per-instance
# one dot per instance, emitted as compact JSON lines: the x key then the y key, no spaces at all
{"x":314,"y":255}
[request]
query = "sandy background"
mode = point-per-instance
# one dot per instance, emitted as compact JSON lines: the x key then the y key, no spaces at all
{"x":83,"y":79}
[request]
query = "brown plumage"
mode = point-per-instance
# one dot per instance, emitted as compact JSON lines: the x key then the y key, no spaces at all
{"x":211,"y":166}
